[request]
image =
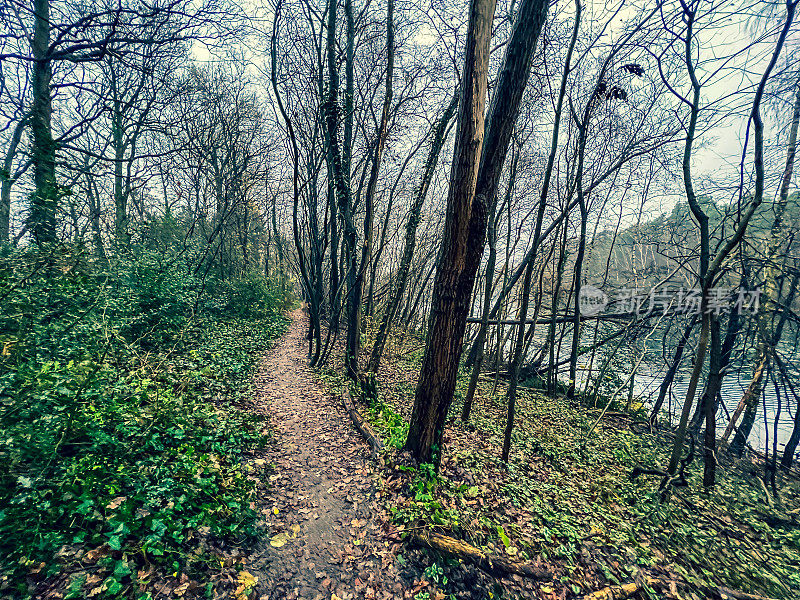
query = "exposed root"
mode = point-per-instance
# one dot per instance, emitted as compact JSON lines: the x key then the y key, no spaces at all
{"x":363,"y":427}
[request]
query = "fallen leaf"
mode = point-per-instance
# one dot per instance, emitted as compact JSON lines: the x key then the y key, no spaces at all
{"x":115,"y":503}
{"x":279,"y":540}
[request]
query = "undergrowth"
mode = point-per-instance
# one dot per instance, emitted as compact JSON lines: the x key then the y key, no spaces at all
{"x":123,"y":447}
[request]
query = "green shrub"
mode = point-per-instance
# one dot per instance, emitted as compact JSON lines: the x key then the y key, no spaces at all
{"x":251,"y":296}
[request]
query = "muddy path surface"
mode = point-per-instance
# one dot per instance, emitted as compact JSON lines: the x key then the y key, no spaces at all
{"x":325,"y":536}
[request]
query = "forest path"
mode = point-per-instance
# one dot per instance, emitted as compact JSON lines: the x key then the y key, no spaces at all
{"x":321,"y":511}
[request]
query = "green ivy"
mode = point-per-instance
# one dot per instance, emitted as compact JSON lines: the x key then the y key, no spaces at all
{"x":118,"y":412}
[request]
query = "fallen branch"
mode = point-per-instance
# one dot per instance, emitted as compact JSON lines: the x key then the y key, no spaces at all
{"x":363,"y":427}
{"x":495,"y":565}
{"x":619,"y":592}
{"x":614,"y":592}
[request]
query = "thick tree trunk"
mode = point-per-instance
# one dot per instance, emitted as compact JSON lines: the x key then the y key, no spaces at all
{"x":538,"y":229}
{"x":44,"y":202}
{"x":340,"y":174}
{"x":451,"y":292}
{"x":472,"y":185}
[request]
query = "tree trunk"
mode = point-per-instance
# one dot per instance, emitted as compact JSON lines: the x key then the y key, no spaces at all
{"x":748,"y":404}
{"x":750,"y":410}
{"x":709,"y":272}
{"x":94,"y":216}
{"x":472,"y":186}
{"x":372,"y":184}
{"x":719,"y":359}
{"x":314,"y":310}
{"x":44,"y":202}
{"x":791,"y":445}
{"x":709,"y":404}
{"x":338,"y":161}
{"x":120,"y":196}
{"x":7,"y":179}
{"x":480,"y":341}
{"x":671,"y":371}
{"x":702,"y":221}
{"x":451,"y":292}
{"x":516,"y":360}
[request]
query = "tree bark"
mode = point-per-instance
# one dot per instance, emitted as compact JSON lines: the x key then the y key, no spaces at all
{"x":451,"y":292}
{"x":338,"y":162}
{"x":477,"y":165}
{"x":44,"y":202}
{"x":536,"y":239}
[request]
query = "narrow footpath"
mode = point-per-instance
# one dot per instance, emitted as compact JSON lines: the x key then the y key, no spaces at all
{"x":325,"y":538}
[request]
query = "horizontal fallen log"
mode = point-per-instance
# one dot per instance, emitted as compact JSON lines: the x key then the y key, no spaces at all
{"x":614,"y":592}
{"x":361,"y":425}
{"x":637,"y":316}
{"x":494,"y":565}
{"x":620,"y":592}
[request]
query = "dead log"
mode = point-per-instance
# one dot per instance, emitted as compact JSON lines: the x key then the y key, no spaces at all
{"x":361,"y":425}
{"x":494,"y":565}
{"x":620,"y":592}
{"x":614,"y":592}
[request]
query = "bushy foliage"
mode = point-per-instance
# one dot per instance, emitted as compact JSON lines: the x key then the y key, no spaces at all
{"x":117,"y":408}
{"x":251,"y":296}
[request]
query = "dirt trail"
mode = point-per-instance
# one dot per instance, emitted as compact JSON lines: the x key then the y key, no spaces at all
{"x":325,"y":538}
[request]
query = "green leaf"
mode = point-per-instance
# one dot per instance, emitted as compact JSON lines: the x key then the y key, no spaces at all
{"x":115,"y":542}
{"x":503,"y":537}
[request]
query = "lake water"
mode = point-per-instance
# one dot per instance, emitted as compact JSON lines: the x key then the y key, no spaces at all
{"x":648,"y":381}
